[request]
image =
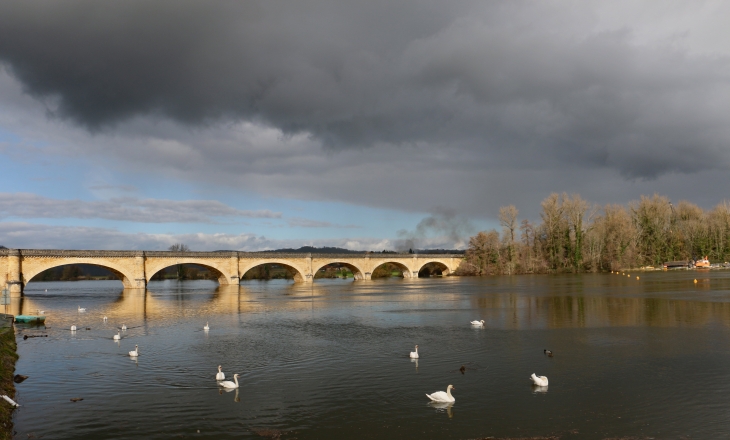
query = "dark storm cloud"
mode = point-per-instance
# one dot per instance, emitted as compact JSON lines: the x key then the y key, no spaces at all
{"x":515,"y":84}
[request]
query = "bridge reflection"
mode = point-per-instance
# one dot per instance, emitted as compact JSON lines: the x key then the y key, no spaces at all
{"x":154,"y":302}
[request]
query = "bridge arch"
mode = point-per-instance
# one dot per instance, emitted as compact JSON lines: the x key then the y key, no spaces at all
{"x":33,"y":267}
{"x":405,"y":270}
{"x":300,"y":274}
{"x":432,"y":266}
{"x":219,"y":270}
{"x":359,"y":273}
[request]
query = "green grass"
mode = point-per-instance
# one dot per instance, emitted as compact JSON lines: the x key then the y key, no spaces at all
{"x":8,"y":356}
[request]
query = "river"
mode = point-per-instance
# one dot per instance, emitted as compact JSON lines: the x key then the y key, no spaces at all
{"x":633,"y":357}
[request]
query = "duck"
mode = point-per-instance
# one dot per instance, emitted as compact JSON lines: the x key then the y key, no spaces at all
{"x":540,"y":381}
{"x":73,"y":328}
{"x":220,"y":375}
{"x":440,"y":396}
{"x":82,"y":309}
{"x":462,"y":369}
{"x":206,"y":326}
{"x":479,"y":323}
{"x":124,"y":327}
{"x":414,"y":354}
{"x":117,"y":336}
{"x":134,"y":353}
{"x":548,"y":353}
{"x":229,"y":384}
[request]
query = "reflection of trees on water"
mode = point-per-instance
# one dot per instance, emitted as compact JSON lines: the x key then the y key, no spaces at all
{"x":519,"y":311}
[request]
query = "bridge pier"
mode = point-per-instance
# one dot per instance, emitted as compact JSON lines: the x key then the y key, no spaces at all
{"x":235,"y":277}
{"x":14,"y":280}
{"x":140,"y":277}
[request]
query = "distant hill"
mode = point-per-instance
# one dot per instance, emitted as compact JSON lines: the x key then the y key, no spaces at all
{"x":316,"y":250}
{"x":3,"y":247}
{"x":336,"y":250}
{"x":440,"y":251}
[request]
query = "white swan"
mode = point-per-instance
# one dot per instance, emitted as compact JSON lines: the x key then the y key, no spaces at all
{"x":105,"y":319}
{"x":206,"y":326}
{"x":228,"y":383}
{"x":73,"y":328}
{"x":134,"y":353}
{"x":540,"y":381}
{"x":220,"y":375}
{"x":440,"y":396}
{"x":117,"y":336}
{"x":479,"y":323}
{"x":124,"y":327}
{"x":41,"y":312}
{"x":414,"y":354}
{"x":82,"y":310}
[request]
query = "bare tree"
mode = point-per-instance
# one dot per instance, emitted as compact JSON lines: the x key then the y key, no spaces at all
{"x":181,"y":271}
{"x":508,"y":221}
{"x":575,"y":208}
{"x":553,"y":225}
{"x":179,"y":247}
{"x":575,"y":236}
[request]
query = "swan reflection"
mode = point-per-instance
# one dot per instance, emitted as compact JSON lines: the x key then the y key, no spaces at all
{"x":415,"y":361}
{"x":229,"y":390}
{"x":441,"y":406}
{"x":539,"y":389}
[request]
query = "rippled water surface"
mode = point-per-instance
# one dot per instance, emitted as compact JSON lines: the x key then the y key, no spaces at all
{"x":643,"y":358}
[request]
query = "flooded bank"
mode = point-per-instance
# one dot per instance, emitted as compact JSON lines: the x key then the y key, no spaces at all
{"x":8,"y":357}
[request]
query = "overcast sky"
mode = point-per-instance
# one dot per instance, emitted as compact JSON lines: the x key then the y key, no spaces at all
{"x":362,"y":124}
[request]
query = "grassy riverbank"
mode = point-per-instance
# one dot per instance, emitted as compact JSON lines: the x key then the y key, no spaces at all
{"x":8,"y":356}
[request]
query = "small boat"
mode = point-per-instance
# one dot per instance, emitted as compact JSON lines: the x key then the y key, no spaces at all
{"x":31,"y":319}
{"x":702,"y":263}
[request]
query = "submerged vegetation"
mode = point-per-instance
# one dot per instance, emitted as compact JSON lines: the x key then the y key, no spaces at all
{"x":574,"y":236}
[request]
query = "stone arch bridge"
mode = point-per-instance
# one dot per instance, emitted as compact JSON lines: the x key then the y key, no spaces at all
{"x":136,"y":268}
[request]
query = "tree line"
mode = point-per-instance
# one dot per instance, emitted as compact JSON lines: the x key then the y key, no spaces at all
{"x":574,"y":235}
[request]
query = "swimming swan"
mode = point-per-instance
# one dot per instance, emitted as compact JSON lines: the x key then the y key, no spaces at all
{"x":124,"y":327}
{"x":73,"y":328}
{"x":414,"y":354}
{"x":479,"y":323}
{"x":134,"y":353}
{"x":81,"y":310}
{"x":206,"y":326}
{"x":440,"y":396}
{"x":220,"y":375}
{"x":540,"y":381}
{"x":228,"y":383}
{"x":117,"y":336}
